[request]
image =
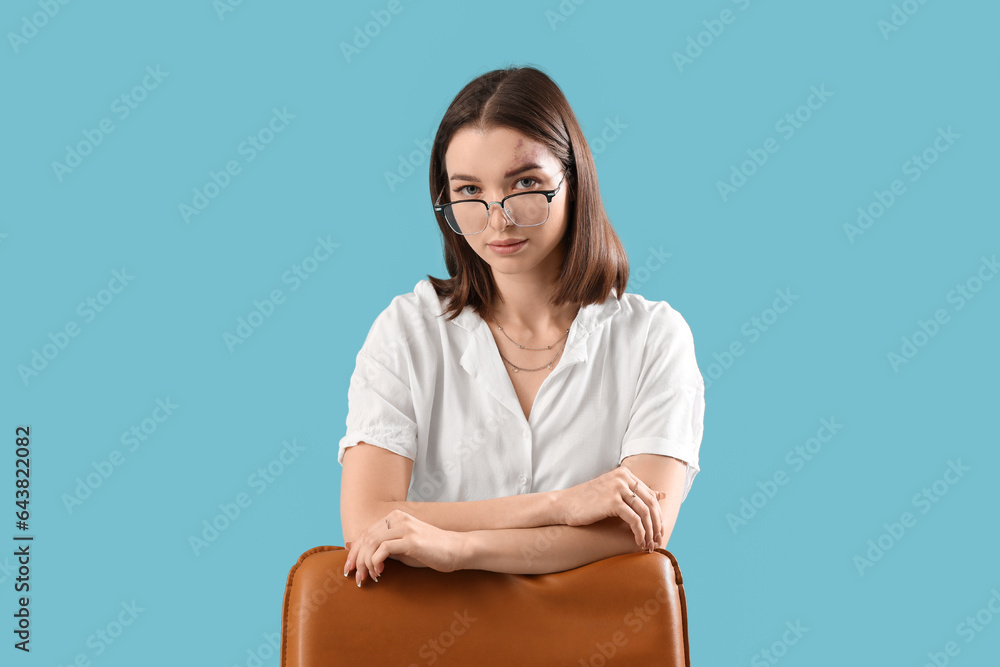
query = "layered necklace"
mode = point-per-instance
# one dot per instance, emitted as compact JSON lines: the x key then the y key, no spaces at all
{"x":547,"y":347}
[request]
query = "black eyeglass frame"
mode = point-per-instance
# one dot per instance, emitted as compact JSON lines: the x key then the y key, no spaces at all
{"x":549,"y":194}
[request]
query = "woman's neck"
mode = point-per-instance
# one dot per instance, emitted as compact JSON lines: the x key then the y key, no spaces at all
{"x":525,"y":313}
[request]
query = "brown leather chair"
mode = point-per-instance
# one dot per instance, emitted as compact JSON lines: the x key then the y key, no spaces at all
{"x":625,"y":610}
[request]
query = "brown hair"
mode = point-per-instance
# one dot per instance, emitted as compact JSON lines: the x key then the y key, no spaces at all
{"x":526,"y":100}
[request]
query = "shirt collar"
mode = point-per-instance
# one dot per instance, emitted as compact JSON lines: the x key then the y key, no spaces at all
{"x":482,"y":361}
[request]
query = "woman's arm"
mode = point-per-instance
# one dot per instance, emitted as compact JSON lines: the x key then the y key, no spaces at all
{"x":551,"y":548}
{"x":547,"y":548}
{"x":375,"y":482}
{"x":557,"y":548}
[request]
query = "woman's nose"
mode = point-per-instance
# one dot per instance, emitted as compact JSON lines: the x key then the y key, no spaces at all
{"x":497,"y":217}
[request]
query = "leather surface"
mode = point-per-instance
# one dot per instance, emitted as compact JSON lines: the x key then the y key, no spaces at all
{"x":624,"y":610}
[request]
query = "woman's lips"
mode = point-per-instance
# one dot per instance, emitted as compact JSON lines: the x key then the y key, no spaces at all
{"x":508,"y":249}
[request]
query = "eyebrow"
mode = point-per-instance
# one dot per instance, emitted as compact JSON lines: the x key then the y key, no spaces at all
{"x":527,"y":166}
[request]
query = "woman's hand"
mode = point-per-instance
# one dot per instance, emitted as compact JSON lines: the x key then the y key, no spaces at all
{"x":407,"y":539}
{"x":611,"y":495}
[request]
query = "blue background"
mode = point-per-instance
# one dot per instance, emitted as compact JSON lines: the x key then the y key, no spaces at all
{"x":681,"y":128}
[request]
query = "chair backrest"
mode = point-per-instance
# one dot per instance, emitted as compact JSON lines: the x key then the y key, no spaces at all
{"x":628,"y":610}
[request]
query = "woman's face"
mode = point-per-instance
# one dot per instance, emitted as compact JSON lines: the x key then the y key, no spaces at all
{"x":499,"y":162}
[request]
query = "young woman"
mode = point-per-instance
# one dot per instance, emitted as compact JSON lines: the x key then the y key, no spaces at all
{"x":526,"y":415}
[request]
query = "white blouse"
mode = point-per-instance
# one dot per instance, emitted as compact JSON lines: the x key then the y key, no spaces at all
{"x":437,"y":392}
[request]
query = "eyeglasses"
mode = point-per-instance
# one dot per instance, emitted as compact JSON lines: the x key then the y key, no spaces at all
{"x":524,"y":209}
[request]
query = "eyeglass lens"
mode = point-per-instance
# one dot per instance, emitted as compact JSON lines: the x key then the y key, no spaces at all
{"x":471,"y":217}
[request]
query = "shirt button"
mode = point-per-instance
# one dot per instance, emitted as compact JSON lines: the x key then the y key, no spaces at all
{"x":522,"y":480}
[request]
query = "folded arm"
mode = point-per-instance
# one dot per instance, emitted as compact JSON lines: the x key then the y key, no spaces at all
{"x":557,"y":548}
{"x":513,"y":534}
{"x":375,"y":482}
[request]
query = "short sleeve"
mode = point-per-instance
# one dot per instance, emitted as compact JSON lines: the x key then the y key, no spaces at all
{"x":379,"y":409}
{"x":668,"y":412}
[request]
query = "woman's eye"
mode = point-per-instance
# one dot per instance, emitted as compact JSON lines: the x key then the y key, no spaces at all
{"x":464,"y":190}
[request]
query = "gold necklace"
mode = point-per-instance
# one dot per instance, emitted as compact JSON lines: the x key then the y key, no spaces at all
{"x":547,"y":347}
